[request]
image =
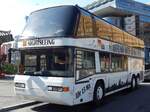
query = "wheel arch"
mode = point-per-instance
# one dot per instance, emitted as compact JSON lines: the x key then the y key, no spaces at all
{"x":100,"y":81}
{"x":133,"y":75}
{"x":138,"y":75}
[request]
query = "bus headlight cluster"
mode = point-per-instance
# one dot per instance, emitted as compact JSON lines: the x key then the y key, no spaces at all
{"x":20,"y":85}
{"x":58,"y":88}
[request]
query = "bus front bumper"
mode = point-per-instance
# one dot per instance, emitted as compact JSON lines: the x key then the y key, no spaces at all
{"x":62,"y":98}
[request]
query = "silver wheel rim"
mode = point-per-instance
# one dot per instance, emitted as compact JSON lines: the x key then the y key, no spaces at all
{"x":99,"y":93}
{"x":138,"y":81}
{"x":133,"y":82}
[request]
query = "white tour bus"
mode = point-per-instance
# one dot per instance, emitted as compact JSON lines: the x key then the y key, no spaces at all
{"x":69,"y":56}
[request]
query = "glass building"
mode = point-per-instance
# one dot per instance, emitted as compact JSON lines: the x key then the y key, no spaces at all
{"x":129,"y":15}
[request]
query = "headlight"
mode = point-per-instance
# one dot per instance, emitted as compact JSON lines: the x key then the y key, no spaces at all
{"x":58,"y":88}
{"x":20,"y":85}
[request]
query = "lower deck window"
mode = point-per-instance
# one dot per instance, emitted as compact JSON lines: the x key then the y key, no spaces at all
{"x":112,"y":62}
{"x":105,"y":62}
{"x":119,"y":63}
{"x":85,"y":63}
{"x":48,"y":62}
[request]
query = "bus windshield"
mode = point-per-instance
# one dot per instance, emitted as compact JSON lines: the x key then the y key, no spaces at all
{"x":50,"y":22}
{"x":55,"y":62}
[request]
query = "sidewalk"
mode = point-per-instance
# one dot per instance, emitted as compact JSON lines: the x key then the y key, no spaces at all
{"x":7,"y":94}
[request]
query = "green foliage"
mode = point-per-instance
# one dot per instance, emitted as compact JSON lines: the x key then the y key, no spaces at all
{"x":9,"y":68}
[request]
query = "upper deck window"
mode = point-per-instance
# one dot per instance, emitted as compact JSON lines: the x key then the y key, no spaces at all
{"x":50,"y":22}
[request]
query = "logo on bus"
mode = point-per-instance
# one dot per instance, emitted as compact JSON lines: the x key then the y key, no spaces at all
{"x":82,"y":91}
{"x":38,"y":42}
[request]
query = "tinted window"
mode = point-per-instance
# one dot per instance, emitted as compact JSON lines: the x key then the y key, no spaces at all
{"x":47,"y":62}
{"x":56,"y":21}
{"x":119,"y":63}
{"x":105,"y":62}
{"x":113,"y":62}
{"x":85,"y":61}
{"x":85,"y":27}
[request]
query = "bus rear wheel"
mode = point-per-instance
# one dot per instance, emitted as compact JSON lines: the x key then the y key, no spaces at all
{"x":137,"y":81}
{"x":133,"y":83}
{"x":98,"y":94}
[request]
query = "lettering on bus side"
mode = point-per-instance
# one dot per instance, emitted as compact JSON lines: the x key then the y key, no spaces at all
{"x":82,"y":91}
{"x":43,"y":42}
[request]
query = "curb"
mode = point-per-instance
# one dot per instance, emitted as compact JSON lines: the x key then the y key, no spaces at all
{"x":18,"y":106}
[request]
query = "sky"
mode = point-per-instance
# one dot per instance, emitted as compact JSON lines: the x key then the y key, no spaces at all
{"x":13,"y":12}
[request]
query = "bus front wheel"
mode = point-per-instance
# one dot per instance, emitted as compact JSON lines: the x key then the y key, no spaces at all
{"x":98,"y":93}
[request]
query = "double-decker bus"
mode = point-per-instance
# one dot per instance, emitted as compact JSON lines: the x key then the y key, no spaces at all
{"x":69,"y":56}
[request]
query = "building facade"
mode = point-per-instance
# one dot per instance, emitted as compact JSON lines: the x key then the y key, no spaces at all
{"x":129,"y":15}
{"x":5,"y":36}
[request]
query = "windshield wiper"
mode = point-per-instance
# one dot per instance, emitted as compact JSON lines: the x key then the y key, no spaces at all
{"x":28,"y":73}
{"x":46,"y":73}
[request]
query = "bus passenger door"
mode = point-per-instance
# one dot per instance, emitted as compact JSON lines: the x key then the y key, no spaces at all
{"x":84,"y":71}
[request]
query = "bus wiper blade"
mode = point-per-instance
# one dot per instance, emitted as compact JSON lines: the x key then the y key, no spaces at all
{"x":28,"y":73}
{"x":46,"y":73}
{"x":38,"y":73}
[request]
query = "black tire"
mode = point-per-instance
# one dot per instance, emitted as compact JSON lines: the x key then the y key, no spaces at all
{"x":133,"y":83}
{"x":98,"y":93}
{"x":137,"y":82}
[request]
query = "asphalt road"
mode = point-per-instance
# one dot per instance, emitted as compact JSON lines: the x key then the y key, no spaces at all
{"x":125,"y":101}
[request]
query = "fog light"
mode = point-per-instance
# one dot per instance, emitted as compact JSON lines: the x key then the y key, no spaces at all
{"x":20,"y":85}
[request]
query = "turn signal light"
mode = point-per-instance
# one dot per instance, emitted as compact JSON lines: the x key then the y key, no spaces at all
{"x":58,"y":88}
{"x":65,"y":89}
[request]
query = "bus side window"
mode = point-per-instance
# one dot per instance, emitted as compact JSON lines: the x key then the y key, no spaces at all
{"x":119,"y":63}
{"x":105,"y":62}
{"x":85,"y":63}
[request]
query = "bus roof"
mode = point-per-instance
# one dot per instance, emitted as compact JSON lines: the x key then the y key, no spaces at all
{"x":80,"y":8}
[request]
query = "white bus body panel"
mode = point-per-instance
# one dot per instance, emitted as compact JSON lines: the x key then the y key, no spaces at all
{"x":37,"y":89}
{"x":84,"y":89}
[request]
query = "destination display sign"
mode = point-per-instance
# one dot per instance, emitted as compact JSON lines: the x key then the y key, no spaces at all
{"x":37,"y":42}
